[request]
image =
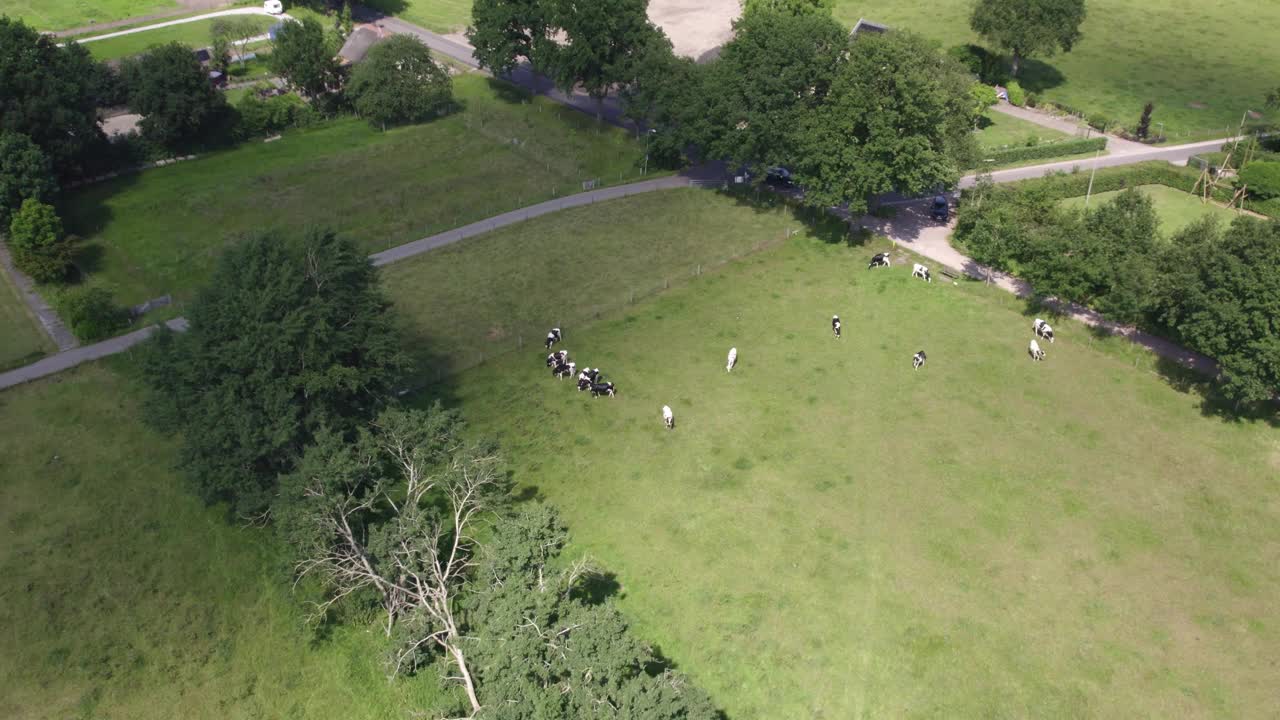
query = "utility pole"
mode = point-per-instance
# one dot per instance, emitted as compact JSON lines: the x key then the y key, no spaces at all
{"x":1092,"y":172}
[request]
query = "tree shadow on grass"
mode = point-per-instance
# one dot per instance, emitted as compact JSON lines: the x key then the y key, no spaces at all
{"x":508,"y":92}
{"x":818,"y":222}
{"x":1037,"y":76}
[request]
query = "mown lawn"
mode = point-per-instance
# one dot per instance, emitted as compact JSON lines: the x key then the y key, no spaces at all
{"x":160,"y":231}
{"x":195,"y":34}
{"x":21,"y":338}
{"x":64,"y":14}
{"x":998,"y":130}
{"x":1162,"y":51}
{"x":443,"y":16}
{"x":828,"y":533}
{"x":491,"y":294}
{"x":1175,"y":208}
{"x":124,"y":597}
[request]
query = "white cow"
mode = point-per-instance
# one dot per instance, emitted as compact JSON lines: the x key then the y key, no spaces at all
{"x":1042,"y":329}
{"x":668,"y":417}
{"x":921,"y":272}
{"x":1034,"y":351}
{"x":835,"y":325}
{"x":733,"y":360}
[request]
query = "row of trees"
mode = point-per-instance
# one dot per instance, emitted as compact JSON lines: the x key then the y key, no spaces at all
{"x":1215,"y":288}
{"x":850,"y":118}
{"x":397,"y":82}
{"x":282,"y":392}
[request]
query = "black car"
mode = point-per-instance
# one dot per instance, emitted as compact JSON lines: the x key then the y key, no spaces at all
{"x":941,"y":210}
{"x":778,"y":176}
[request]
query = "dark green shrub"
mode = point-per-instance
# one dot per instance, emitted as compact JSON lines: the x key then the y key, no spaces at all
{"x":92,"y":313}
{"x":1263,"y":179}
{"x":40,"y":247}
{"x":1016,"y":94}
{"x":260,"y":116}
{"x":1040,"y":152}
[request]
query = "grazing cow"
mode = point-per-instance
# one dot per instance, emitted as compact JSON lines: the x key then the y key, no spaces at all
{"x":1042,"y":329}
{"x":879,"y":260}
{"x":1034,"y":351}
{"x":562,"y":357}
{"x":835,"y":325}
{"x":552,"y":360}
{"x":733,"y":360}
{"x":918,"y":359}
{"x":553,"y":337}
{"x":583,"y":383}
{"x":921,"y":272}
{"x":563,"y":371}
{"x":668,"y":417}
{"x":598,"y":389}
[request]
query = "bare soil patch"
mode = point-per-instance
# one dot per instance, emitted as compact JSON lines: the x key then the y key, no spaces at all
{"x":696,"y":27}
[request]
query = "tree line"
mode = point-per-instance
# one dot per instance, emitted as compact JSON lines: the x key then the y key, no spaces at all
{"x":1215,"y":288}
{"x":283,"y":392}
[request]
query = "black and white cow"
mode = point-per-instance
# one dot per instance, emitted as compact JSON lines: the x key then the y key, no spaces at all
{"x":668,"y":417}
{"x":921,"y":272}
{"x":598,"y":389}
{"x":563,"y":371}
{"x":583,"y":383}
{"x":918,"y":359}
{"x":553,"y":359}
{"x":1042,"y":329}
{"x":879,"y":260}
{"x":1034,"y":351}
{"x":553,"y":337}
{"x":835,"y":326}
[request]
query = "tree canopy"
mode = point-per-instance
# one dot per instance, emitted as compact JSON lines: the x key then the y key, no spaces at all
{"x":897,"y":116}
{"x":47,"y":93}
{"x":503,"y":32}
{"x":291,"y":336}
{"x":1024,"y":28}
{"x":173,"y":94}
{"x":302,"y":55}
{"x":399,"y":82}
{"x":777,"y":68}
{"x":601,"y":40}
{"x":25,"y":172}
{"x":40,"y":247}
{"x":790,"y":7}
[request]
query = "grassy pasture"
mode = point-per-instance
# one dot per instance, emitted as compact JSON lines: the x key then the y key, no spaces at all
{"x":64,"y":14}
{"x":123,"y":597}
{"x":828,"y":533}
{"x":1198,"y":64}
{"x":195,"y":34}
{"x":998,"y":130}
{"x":160,"y":231}
{"x":1175,"y":208}
{"x":21,"y":338}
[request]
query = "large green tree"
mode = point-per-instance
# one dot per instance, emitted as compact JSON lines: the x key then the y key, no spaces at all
{"x":1024,"y":28}
{"x":507,"y":32}
{"x":898,"y":116}
{"x":47,"y":93}
{"x":302,"y":55}
{"x":601,"y":41}
{"x":773,"y":73}
{"x":40,"y":247}
{"x":172,"y":92}
{"x":399,"y":82}
{"x":791,"y":7}
{"x":1220,"y":290}
{"x":663,"y":94}
{"x":25,"y":172}
{"x":291,"y":336}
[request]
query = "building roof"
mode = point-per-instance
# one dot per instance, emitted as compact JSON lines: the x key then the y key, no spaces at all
{"x":358,"y":44}
{"x":867,"y":26}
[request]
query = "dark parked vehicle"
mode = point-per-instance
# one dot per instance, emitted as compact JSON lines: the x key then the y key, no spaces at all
{"x":779,"y":176}
{"x":941,"y":211}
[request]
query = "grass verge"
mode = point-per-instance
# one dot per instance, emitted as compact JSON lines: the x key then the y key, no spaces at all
{"x":1175,"y":208}
{"x":195,"y":34}
{"x":22,"y":340}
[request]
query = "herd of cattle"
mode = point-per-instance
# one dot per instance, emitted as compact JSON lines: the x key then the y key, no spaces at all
{"x":591,"y":379}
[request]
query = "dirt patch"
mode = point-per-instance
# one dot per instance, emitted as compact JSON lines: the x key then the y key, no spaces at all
{"x":697,"y":28}
{"x":121,"y":124}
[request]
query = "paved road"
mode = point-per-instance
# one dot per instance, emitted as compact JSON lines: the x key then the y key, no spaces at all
{"x":182,"y":21}
{"x":1070,"y":126}
{"x":1178,"y":154}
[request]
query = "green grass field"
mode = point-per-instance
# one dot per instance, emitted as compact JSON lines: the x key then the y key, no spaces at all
{"x":444,"y":16}
{"x":65,"y":14}
{"x":998,"y":130}
{"x":484,"y":296}
{"x":124,"y":597}
{"x":1175,"y":208}
{"x":828,"y":533}
{"x":195,"y":34}
{"x":21,"y":339}
{"x":160,"y":231}
{"x":1178,"y":56}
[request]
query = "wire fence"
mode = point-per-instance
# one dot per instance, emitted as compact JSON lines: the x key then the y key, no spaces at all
{"x":504,"y":337}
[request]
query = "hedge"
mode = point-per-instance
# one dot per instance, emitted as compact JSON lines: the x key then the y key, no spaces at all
{"x":1042,"y":152}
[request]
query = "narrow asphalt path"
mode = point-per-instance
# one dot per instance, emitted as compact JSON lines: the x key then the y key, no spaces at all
{"x":185,"y":20}
{"x":1115,"y":145}
{"x":49,"y":320}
